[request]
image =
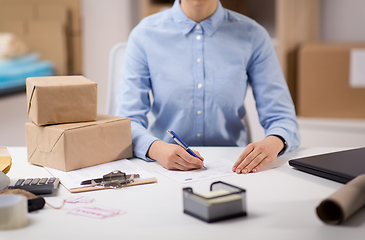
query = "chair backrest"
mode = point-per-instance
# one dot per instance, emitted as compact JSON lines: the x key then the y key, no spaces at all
{"x":255,"y":131}
{"x":116,"y":60}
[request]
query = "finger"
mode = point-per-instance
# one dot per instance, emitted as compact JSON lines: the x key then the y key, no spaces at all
{"x":261,"y":165}
{"x":190,"y":158}
{"x":188,"y":161}
{"x":198,"y":154}
{"x":181,"y":165}
{"x":256,"y":161}
{"x":244,"y":166}
{"x":185,"y":168}
{"x":243,"y":156}
{"x":178,"y":166}
{"x":171,"y":163}
{"x":173,"y":159}
{"x":248,"y":158}
{"x":175,"y":162}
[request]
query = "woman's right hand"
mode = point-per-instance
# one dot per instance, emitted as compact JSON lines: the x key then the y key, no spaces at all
{"x":174,"y":157}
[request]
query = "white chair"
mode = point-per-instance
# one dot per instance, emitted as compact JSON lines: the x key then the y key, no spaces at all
{"x":255,"y":130}
{"x":116,"y":60}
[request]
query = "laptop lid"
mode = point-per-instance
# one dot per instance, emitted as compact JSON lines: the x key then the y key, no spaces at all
{"x":342,"y":166}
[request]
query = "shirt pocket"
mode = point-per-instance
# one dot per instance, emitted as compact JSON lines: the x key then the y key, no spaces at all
{"x":229,"y":87}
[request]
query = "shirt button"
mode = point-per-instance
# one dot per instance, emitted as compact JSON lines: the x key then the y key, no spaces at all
{"x":197,"y":27}
{"x":198,"y":134}
{"x":198,"y":60}
{"x":200,"y":85}
{"x":199,"y":112}
{"x":198,"y":37}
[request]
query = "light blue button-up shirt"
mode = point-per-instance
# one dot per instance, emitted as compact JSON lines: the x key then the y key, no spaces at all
{"x":198,"y":74}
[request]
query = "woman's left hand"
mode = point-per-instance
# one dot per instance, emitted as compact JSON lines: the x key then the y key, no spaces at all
{"x":256,"y":155}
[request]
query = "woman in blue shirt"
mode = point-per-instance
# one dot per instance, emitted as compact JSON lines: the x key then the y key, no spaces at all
{"x":198,"y":58}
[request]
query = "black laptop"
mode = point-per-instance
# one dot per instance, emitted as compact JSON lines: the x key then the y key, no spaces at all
{"x":342,"y":166}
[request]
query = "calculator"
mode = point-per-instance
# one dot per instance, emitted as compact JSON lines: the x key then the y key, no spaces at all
{"x":37,"y":186}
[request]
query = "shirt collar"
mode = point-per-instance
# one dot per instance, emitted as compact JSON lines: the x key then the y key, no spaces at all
{"x":209,"y":25}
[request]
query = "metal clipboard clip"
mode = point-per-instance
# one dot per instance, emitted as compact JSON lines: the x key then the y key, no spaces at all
{"x":115,"y":179}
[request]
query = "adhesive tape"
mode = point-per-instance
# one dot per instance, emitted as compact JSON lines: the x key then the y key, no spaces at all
{"x":13,"y":211}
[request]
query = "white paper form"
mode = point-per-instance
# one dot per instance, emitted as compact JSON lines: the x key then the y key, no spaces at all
{"x":357,"y":68}
{"x":73,"y":179}
{"x":215,"y":169}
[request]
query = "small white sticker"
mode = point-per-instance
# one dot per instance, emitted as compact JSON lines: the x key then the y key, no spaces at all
{"x":357,"y":68}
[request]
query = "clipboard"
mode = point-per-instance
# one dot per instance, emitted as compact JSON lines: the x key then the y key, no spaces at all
{"x":91,"y":188}
{"x":72,"y":180}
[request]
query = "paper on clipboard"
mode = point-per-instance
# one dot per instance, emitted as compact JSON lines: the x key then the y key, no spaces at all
{"x":72,"y":179}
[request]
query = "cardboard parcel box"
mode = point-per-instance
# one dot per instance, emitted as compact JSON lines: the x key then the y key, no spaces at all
{"x":61,"y":99}
{"x":77,"y":145}
{"x":324,"y":88}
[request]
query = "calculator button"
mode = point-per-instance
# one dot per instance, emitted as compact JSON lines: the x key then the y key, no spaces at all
{"x":51,"y":180}
{"x":43,"y":181}
{"x":28,"y":181}
{"x":35,"y":181}
{"x":19,"y":182}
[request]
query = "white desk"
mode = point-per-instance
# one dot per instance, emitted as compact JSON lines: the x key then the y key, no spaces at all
{"x":281,"y":204}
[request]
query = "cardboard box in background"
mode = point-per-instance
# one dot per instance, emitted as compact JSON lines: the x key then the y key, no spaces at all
{"x":323,"y":82}
{"x":47,"y":37}
{"x":60,"y":11}
{"x":77,"y":145}
{"x":61,"y":99}
{"x":64,"y":36}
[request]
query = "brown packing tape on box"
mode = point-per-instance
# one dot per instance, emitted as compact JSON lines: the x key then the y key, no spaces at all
{"x":77,"y":145}
{"x":338,"y":207}
{"x":61,"y":99}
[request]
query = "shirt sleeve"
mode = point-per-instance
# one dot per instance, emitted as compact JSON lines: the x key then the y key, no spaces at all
{"x":133,"y":92}
{"x":273,"y":101}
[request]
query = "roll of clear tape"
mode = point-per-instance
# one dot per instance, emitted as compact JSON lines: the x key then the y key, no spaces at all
{"x":13,"y":211}
{"x":344,"y":203}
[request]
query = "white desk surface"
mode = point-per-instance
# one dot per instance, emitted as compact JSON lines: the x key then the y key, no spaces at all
{"x":281,"y":204}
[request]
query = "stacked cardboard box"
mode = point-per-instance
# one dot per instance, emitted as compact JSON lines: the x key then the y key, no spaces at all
{"x":66,"y":132}
{"x":52,"y":28}
{"x":324,"y":88}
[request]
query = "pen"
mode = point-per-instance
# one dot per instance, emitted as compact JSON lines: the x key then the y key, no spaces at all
{"x":183,"y":145}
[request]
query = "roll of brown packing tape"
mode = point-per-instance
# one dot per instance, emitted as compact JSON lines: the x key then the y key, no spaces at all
{"x":13,"y":211}
{"x":344,"y":203}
